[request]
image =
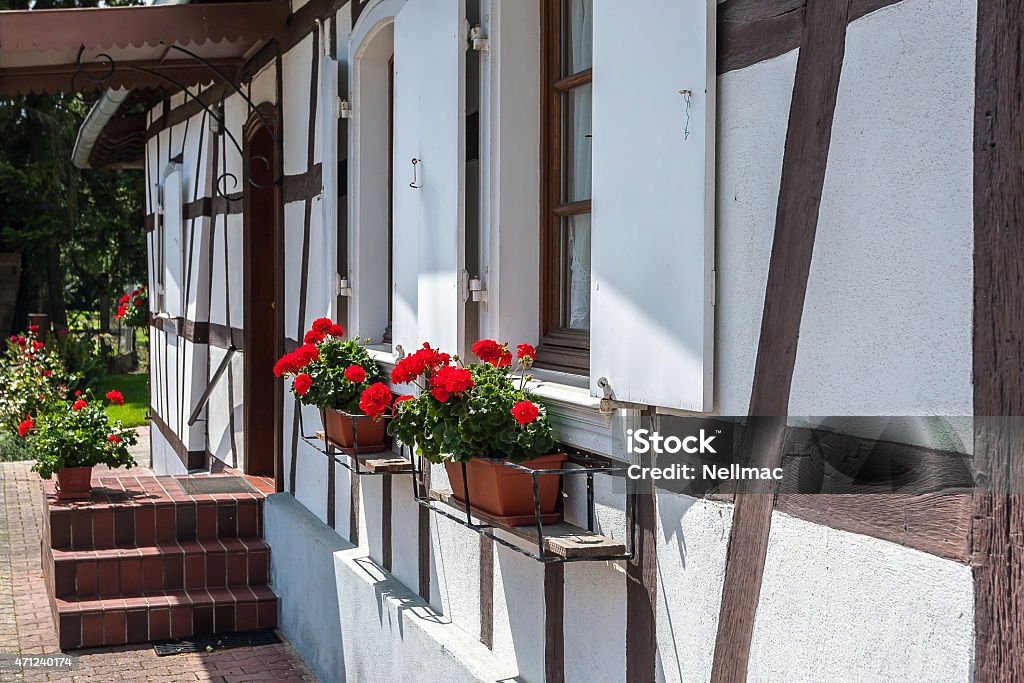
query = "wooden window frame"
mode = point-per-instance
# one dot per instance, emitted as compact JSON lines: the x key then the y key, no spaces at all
{"x":561,"y":348}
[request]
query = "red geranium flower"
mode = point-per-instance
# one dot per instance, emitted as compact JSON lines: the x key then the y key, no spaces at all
{"x":401,"y":399}
{"x":115,"y":396}
{"x":78,"y":405}
{"x":525,"y":412}
{"x":37,"y":346}
{"x":321,"y":326}
{"x":489,"y":351}
{"x":420,"y":363}
{"x":526,"y":353}
{"x":125,"y":299}
{"x":355,"y":373}
{"x":284,"y":365}
{"x":304,"y":355}
{"x":336,"y":331}
{"x":122,"y":311}
{"x":33,"y":328}
{"x":26,"y":426}
{"x":375,"y":399}
{"x":448,"y":381}
{"x":114,"y":438}
{"x":22,"y":341}
{"x":78,"y":392}
{"x":47,"y":373}
{"x":302,"y":384}
{"x":313,"y":337}
{"x":138,"y":302}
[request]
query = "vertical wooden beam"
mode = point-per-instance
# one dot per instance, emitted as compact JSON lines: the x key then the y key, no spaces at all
{"x":279,"y":275}
{"x":385,"y":521}
{"x":487,"y":591}
{"x":642,"y":588}
{"x":554,"y":626}
{"x":353,"y":509}
{"x":997,"y":537}
{"x":815,"y":90}
{"x":424,"y":532}
{"x":331,"y":492}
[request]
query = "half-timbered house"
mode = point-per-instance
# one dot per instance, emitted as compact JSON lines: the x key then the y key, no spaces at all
{"x":665,"y":197}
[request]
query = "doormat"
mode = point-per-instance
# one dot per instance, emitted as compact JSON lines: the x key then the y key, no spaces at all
{"x":226,"y":641}
{"x":201,"y":485}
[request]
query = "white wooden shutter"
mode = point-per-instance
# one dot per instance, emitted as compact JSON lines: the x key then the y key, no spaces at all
{"x":174,"y":276}
{"x":652,"y":283}
{"x":430,"y":64}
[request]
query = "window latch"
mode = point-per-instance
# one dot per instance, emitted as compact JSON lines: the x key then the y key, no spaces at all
{"x":342,"y":286}
{"x":477,"y":40}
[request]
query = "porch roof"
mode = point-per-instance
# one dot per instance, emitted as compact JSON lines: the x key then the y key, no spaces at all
{"x":69,"y":50}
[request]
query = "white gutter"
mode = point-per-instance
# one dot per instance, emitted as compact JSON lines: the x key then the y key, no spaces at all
{"x":95,"y":121}
{"x":101,"y":113}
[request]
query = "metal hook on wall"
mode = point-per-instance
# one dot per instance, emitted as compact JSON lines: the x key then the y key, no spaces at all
{"x":413,"y":184}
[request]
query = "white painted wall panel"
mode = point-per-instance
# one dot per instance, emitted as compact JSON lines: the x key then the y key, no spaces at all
{"x":751,"y":142}
{"x":693,"y":538}
{"x":296,"y":69}
{"x":888,"y":316}
{"x":840,"y":606}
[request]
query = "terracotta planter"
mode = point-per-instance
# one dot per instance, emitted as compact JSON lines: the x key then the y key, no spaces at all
{"x":506,"y":494}
{"x":74,"y":483}
{"x":338,"y":428}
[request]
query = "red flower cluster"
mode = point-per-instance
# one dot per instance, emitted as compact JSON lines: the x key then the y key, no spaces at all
{"x":33,"y":329}
{"x":375,"y":399}
{"x":114,"y":438}
{"x":422,"y":362}
{"x":135,"y":297}
{"x":321,"y":329}
{"x":37,"y":346}
{"x":26,"y":426}
{"x":115,"y":396}
{"x":525,"y":412}
{"x":302,"y":384}
{"x":355,"y":374}
{"x":78,"y":405}
{"x":402,"y":399}
{"x":291,"y":363}
{"x":526,"y":353}
{"x":490,"y":351}
{"x":449,"y":381}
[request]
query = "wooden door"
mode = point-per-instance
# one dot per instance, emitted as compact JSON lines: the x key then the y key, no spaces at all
{"x":262,"y":287}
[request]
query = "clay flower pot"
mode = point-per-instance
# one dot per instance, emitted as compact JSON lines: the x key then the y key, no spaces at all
{"x":338,"y":428}
{"x":74,"y":483}
{"x":506,"y":494}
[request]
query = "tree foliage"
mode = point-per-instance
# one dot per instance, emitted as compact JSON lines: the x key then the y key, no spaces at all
{"x":80,"y":233}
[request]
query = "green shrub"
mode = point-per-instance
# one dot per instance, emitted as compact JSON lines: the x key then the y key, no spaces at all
{"x":14,"y":449}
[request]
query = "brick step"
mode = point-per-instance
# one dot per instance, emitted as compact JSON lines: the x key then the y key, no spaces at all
{"x":99,"y":525}
{"x":175,"y":565}
{"x":107,"y":622}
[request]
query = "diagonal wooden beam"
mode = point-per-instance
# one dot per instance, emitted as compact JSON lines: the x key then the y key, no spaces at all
{"x":815,"y":90}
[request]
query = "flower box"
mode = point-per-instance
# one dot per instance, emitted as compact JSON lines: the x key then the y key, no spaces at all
{"x":506,"y":493}
{"x":339,"y":427}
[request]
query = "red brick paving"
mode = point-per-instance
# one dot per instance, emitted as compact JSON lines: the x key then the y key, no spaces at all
{"x":26,"y":625}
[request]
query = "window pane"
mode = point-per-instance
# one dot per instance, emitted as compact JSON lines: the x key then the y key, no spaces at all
{"x":575,"y":256}
{"x":576,"y":36}
{"x":576,"y":153}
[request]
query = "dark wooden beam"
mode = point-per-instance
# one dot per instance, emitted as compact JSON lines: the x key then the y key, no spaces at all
{"x":805,"y":158}
{"x":997,"y":538}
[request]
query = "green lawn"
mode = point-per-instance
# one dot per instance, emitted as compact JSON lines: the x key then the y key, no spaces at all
{"x":135,"y":388}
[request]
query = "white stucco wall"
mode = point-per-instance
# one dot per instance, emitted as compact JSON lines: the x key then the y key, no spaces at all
{"x":753,"y":116}
{"x":887,"y":322}
{"x":840,"y":606}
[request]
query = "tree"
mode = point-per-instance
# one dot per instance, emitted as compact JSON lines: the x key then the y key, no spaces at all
{"x":80,"y":234}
